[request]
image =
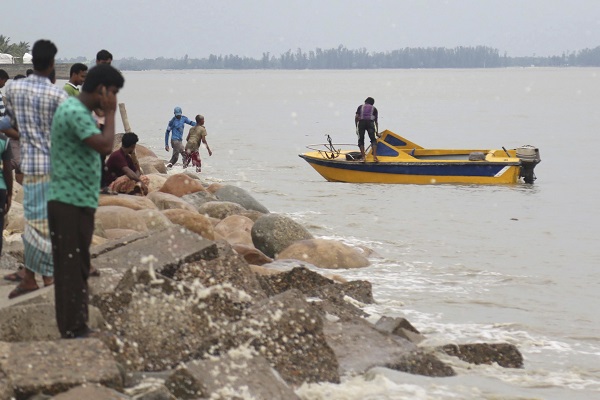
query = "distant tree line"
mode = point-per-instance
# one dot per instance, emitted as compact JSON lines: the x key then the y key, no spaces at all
{"x":343,"y":58}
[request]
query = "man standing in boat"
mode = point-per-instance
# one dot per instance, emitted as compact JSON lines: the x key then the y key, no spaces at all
{"x":366,"y":120}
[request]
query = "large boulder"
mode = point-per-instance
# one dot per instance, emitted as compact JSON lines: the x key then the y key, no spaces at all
{"x":234,"y":223}
{"x":358,"y":347}
{"x":238,"y":195}
{"x":52,"y":367}
{"x":288,"y":332}
{"x":125,"y":200}
{"x":324,"y":253}
{"x":15,"y":220}
{"x":252,"y":255}
{"x":227,"y":269}
{"x":220,"y":209}
{"x":181,"y":184}
{"x":155,"y":220}
{"x":151,"y":165}
{"x":504,"y":354}
{"x":95,"y":392}
{"x":193,"y":221}
{"x":197,"y":199}
{"x":36,"y":322}
{"x":166,"y":201}
{"x":237,"y":374}
{"x":113,"y":217}
{"x":272,"y":233}
{"x":155,"y":181}
{"x":113,"y":234}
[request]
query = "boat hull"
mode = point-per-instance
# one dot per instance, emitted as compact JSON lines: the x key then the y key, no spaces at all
{"x":468,"y":172}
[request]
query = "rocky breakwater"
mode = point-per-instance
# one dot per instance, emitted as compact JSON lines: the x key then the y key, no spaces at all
{"x":204,"y":293}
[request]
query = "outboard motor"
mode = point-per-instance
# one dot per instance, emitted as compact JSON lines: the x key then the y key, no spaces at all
{"x":530,"y":157}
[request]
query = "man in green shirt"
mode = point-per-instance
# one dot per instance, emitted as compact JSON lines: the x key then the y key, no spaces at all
{"x":77,"y":77}
{"x":77,"y":144}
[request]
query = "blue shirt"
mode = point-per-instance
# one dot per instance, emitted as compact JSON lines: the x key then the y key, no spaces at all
{"x":177,"y":125}
{"x":4,"y":123}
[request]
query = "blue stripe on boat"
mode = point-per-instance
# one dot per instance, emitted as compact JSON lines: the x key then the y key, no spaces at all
{"x":439,"y":169}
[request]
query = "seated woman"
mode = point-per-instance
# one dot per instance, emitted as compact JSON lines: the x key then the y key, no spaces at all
{"x":123,"y":170}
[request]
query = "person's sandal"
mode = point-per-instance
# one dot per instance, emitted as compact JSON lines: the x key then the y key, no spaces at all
{"x":20,"y":291}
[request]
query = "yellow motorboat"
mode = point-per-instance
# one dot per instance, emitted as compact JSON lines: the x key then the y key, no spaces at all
{"x":403,"y":161}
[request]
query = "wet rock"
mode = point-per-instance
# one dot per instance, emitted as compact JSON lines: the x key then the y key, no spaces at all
{"x":228,"y":268}
{"x":199,"y":198}
{"x":125,"y":200}
{"x":52,"y":367}
{"x":359,"y":346}
{"x":181,"y":184}
{"x":96,"y":392}
{"x":240,"y":196}
{"x":155,"y":220}
{"x":253,"y":215}
{"x":299,"y":278}
{"x":234,"y":223}
{"x":151,"y":165}
{"x":112,"y":234}
{"x":213,"y":187}
{"x":272,"y":233}
{"x":338,"y":308}
{"x":167,"y":250}
{"x":238,"y":374}
{"x":193,"y":221}
{"x":400,"y":327}
{"x":241,"y":238}
{"x":252,"y":255}
{"x":6,"y":390}
{"x":36,"y":322}
{"x":288,"y":332}
{"x":358,"y":290}
{"x":220,"y":209}
{"x":15,"y":220}
{"x":166,"y":201}
{"x":10,"y":263}
{"x":118,"y":217}
{"x":504,"y":354}
{"x":155,"y":182}
{"x":324,"y":253}
{"x":421,"y":363}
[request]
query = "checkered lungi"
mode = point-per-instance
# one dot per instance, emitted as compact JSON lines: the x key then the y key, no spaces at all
{"x":36,"y":238}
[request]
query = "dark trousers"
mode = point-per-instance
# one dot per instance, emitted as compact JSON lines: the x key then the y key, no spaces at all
{"x":2,"y":204}
{"x":369,"y":127}
{"x":71,"y":230}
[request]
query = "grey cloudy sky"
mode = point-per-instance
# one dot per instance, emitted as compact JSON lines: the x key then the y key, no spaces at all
{"x":198,"y":28}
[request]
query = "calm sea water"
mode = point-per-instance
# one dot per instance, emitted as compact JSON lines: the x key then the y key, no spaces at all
{"x":464,"y":263}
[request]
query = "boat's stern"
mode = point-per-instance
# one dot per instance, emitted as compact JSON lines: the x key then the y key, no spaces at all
{"x":529,"y":157}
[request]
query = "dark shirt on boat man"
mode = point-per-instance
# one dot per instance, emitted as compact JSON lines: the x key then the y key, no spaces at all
{"x":366,"y":120}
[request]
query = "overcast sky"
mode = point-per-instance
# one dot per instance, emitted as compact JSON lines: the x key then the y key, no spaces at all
{"x":198,"y":28}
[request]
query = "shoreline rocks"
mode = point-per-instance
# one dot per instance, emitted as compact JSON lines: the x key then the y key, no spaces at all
{"x":191,"y":298}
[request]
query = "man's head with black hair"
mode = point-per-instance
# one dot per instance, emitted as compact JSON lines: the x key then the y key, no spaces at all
{"x":43,"y":53}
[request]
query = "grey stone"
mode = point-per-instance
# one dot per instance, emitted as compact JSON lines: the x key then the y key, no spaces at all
{"x":241,"y":197}
{"x":232,"y":269}
{"x":300,"y":278}
{"x":52,"y":367}
{"x":36,"y":322}
{"x":169,"y":249}
{"x":288,"y":332}
{"x":272,"y":233}
{"x":237,"y":374}
{"x":199,"y":198}
{"x":421,"y":363}
{"x":504,"y":354}
{"x":359,"y":346}
{"x":220,"y":209}
{"x":400,"y":327}
{"x":358,"y":290}
{"x":96,"y":392}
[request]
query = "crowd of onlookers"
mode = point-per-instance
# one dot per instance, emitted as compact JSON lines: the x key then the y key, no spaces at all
{"x":61,"y":178}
